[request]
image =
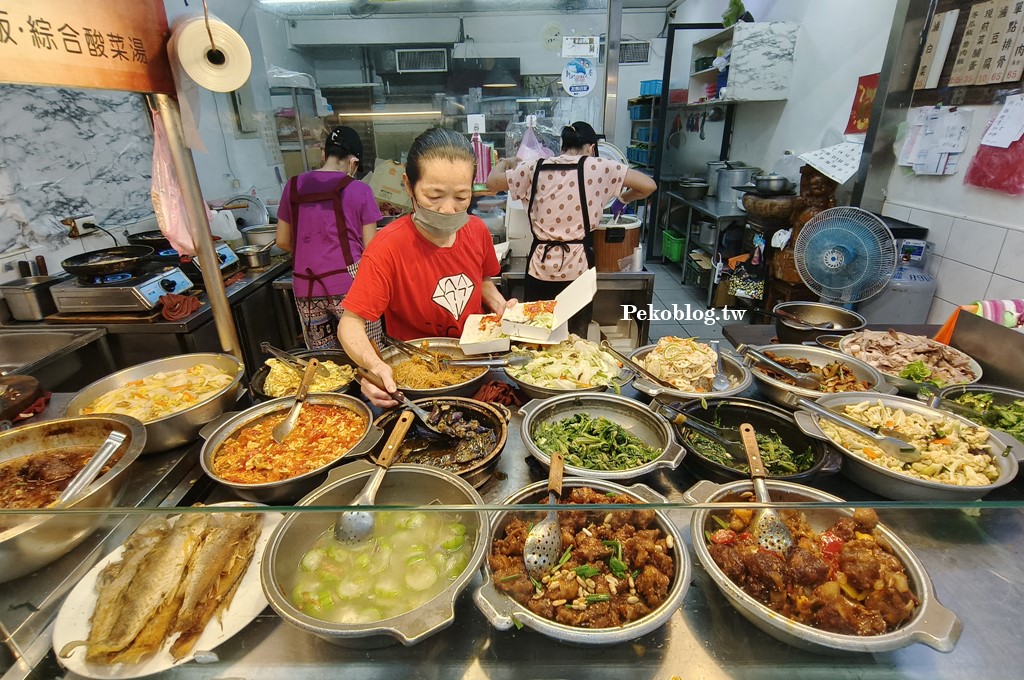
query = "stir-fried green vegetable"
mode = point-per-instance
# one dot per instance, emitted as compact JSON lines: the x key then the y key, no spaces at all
{"x":779,"y":459}
{"x":593,"y":443}
{"x":1006,"y":417}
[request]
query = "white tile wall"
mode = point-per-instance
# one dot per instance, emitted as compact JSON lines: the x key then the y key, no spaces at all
{"x":971,"y":260}
{"x":1011,"y":258}
{"x":974,"y":243}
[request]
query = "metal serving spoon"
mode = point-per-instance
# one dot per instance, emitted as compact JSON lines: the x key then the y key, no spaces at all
{"x":84,"y":478}
{"x":543,"y":546}
{"x":768,"y":528}
{"x":802,"y":380}
{"x":285,"y":427}
{"x":354,"y":526}
{"x":720,"y":382}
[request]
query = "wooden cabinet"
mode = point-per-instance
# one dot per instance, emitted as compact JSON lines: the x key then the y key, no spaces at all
{"x":760,"y":66}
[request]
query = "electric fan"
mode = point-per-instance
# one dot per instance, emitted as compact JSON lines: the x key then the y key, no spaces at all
{"x":845,"y":255}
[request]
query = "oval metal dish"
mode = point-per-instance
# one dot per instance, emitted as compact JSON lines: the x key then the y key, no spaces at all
{"x":640,"y":421}
{"x":450,"y":346}
{"x":739,"y":379}
{"x":905,"y":385}
{"x":932,"y":624}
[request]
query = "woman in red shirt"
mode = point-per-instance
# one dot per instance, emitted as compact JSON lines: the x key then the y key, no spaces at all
{"x":427,"y":272}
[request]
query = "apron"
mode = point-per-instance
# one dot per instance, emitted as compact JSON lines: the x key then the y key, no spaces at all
{"x":549,"y":244}
{"x":334,"y":196}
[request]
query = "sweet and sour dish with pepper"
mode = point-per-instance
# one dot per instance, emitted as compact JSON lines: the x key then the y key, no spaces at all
{"x":845,"y":579}
{"x":617,"y":566}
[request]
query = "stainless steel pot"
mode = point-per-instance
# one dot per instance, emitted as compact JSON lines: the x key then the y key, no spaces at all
{"x":895,"y":485}
{"x":253,"y":257}
{"x":504,"y":612}
{"x":713,"y":167}
{"x":730,"y":177}
{"x":30,"y":542}
{"x":403,"y":485}
{"x":846,"y":321}
{"x":181,"y":427}
{"x":449,"y":346}
{"x":787,"y":395}
{"x":905,"y":385}
{"x":739,"y":379}
{"x":641,"y":422}
{"x":932,"y":624}
{"x":286,"y":490}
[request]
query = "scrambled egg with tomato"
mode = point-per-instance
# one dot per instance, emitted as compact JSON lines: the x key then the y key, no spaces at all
{"x":161,"y":394}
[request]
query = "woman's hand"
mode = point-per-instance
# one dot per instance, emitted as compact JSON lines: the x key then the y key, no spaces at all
{"x":376,"y":395}
{"x":509,"y":304}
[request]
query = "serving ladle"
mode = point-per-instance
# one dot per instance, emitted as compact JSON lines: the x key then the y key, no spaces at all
{"x":355,"y":526}
{"x":285,"y":427}
{"x":720,"y":381}
{"x":543,"y":546}
{"x":768,"y":528}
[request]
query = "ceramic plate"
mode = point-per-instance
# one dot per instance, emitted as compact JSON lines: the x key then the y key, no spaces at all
{"x":72,"y":621}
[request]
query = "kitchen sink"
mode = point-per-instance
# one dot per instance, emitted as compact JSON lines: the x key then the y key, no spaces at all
{"x":54,"y":357}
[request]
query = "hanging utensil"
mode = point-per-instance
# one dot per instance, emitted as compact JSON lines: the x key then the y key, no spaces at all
{"x":802,"y":380}
{"x":401,"y":398}
{"x":543,"y":546}
{"x":703,"y":119}
{"x":87,"y":474}
{"x":720,"y":382}
{"x":355,"y":526}
{"x":293,"y":362}
{"x":726,"y":437}
{"x":889,"y":441}
{"x":768,"y":528}
{"x":285,"y":427}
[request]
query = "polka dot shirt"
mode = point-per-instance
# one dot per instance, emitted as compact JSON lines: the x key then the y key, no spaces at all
{"x":557,"y":214}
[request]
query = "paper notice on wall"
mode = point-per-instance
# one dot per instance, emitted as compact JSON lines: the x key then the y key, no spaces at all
{"x":1008,"y":126}
{"x":935,"y":139}
{"x":839,"y":162}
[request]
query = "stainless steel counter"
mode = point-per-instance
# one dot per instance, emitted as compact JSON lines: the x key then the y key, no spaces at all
{"x":976,"y":562}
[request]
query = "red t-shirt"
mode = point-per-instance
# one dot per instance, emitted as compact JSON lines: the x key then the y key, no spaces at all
{"x":420,"y":289}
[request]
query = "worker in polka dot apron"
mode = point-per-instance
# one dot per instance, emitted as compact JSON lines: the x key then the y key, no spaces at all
{"x":565,"y":197}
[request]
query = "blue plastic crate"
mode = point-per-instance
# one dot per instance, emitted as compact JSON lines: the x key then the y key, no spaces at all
{"x":650,"y":87}
{"x":643,"y":134}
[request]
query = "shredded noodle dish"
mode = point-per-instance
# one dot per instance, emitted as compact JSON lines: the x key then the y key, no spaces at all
{"x":684,"y":362}
{"x":161,"y":394}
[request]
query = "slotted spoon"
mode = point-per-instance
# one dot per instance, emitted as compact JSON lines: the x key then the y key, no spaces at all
{"x":768,"y":528}
{"x":543,"y":546}
{"x":354,"y":526}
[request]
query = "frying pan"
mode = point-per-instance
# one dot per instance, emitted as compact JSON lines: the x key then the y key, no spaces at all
{"x":155,"y":239}
{"x":108,"y":261}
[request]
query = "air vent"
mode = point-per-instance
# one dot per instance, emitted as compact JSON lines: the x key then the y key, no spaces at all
{"x":422,"y":61}
{"x":634,"y":52}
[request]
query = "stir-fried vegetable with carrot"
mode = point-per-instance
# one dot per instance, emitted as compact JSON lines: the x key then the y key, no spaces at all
{"x":161,"y":394}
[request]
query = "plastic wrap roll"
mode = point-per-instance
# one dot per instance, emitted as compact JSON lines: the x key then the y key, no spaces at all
{"x":222,"y":70}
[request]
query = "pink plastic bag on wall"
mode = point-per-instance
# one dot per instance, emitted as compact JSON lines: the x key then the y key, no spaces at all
{"x":166,"y":195}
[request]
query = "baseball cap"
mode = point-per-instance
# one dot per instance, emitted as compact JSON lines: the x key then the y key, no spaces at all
{"x":346,"y":139}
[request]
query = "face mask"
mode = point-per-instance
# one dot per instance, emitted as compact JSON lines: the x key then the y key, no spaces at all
{"x":439,"y":224}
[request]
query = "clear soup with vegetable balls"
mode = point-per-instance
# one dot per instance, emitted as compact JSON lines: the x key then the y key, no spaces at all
{"x":411,"y":558}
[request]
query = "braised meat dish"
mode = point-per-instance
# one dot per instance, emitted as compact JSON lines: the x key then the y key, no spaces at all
{"x":36,"y":480}
{"x":843,"y":580}
{"x":617,"y":567}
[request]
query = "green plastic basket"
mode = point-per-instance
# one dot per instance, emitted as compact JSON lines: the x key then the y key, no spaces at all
{"x":672,"y":245}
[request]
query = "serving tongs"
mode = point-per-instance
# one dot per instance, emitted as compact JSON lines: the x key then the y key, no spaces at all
{"x":636,"y":367}
{"x":411,"y":350}
{"x":802,"y":380}
{"x":726,"y":437}
{"x":87,"y":474}
{"x":889,"y":441}
{"x":514,"y":359}
{"x":420,"y":412}
{"x":291,"y":361}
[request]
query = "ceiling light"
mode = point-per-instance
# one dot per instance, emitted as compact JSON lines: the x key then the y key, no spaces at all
{"x":500,"y":77}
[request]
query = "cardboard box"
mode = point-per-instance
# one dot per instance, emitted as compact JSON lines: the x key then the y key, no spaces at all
{"x":386,"y":182}
{"x":477,"y":340}
{"x":575,"y":297}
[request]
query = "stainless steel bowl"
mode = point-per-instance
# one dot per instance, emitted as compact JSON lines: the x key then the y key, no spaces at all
{"x":786,"y":395}
{"x":895,"y":485}
{"x":253,"y":257}
{"x":905,"y":385}
{"x":504,"y":612}
{"x":30,"y":542}
{"x":771,"y":183}
{"x":259,"y":234}
{"x":733,"y":412}
{"x":1000,"y":395}
{"x":845,"y":320}
{"x":285,"y":490}
{"x":181,"y":427}
{"x":739,"y":379}
{"x":403,"y":485}
{"x":631,"y":415}
{"x":693,"y":191}
{"x":449,"y":346}
{"x":538,"y":392}
{"x":932,"y":624}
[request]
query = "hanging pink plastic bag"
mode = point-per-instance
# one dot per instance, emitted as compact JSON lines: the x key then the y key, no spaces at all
{"x":530,"y":149}
{"x":166,"y":195}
